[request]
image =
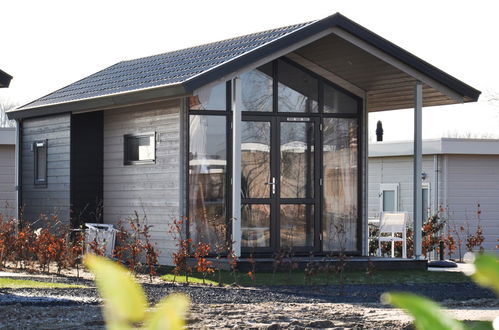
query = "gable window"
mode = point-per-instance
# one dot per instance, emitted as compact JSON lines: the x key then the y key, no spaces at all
{"x":388,"y":193}
{"x":40,"y":156}
{"x":140,"y":149}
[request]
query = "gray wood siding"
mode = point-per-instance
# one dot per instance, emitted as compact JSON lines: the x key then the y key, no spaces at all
{"x":7,"y":181}
{"x":150,"y":189}
{"x":474,"y":180}
{"x":397,"y":170}
{"x":54,"y":199}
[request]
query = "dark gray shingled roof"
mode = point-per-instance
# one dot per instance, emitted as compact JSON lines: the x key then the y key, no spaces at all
{"x":161,"y":70}
{"x":180,"y":72}
{"x":5,"y":79}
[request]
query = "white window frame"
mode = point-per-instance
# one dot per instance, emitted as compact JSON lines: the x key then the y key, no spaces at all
{"x":389,"y":187}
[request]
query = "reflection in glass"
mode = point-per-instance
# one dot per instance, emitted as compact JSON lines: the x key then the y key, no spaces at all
{"x":388,"y":201}
{"x":297,"y":225}
{"x":338,"y":102}
{"x":340,"y":207}
{"x":255,"y":159}
{"x":297,"y":160}
{"x":255,"y":225}
{"x":207,"y":173}
{"x":256,"y":89}
{"x":209,"y":98}
{"x":139,"y":147}
{"x":297,"y":90}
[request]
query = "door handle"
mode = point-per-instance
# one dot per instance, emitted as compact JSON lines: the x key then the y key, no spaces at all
{"x":272,"y":183}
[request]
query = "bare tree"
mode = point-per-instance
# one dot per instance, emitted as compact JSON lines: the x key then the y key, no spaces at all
{"x":6,"y":105}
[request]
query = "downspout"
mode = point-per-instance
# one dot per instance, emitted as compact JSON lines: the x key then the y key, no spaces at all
{"x":436,"y":207}
{"x":18,"y":154}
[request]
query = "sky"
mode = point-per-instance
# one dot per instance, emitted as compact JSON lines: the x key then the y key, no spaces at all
{"x":49,"y":44}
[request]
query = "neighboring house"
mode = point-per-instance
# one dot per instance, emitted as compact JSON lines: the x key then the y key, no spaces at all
{"x":262,"y":137}
{"x":5,"y":79}
{"x":458,"y":174}
{"x":7,"y":162}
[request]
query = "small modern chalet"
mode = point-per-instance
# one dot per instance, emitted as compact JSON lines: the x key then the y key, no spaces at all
{"x":260,"y":138}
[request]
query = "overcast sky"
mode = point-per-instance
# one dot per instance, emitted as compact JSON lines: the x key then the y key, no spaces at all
{"x":49,"y":44}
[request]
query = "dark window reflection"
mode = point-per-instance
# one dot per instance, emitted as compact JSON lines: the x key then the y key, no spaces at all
{"x":256,"y":89}
{"x":297,"y":225}
{"x":207,"y":173}
{"x":340,"y":206}
{"x":338,"y":102}
{"x":255,"y":159}
{"x":297,"y":160}
{"x":209,"y":98}
{"x":255,"y":225}
{"x":297,"y":90}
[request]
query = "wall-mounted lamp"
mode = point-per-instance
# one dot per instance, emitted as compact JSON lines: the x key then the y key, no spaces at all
{"x":424,"y":176}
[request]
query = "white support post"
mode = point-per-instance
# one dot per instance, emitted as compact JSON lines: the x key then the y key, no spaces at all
{"x":418,"y":150}
{"x":236,"y":166}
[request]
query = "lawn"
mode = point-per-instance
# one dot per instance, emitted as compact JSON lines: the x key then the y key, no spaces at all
{"x":297,"y":277}
{"x":10,"y":283}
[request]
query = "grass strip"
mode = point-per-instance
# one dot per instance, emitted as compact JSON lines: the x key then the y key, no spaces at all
{"x":11,"y":283}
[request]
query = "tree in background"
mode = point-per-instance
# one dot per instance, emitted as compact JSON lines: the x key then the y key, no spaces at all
{"x":6,"y":105}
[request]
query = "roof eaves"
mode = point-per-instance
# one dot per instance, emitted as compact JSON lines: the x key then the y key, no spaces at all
{"x":103,"y":102}
{"x":413,"y":61}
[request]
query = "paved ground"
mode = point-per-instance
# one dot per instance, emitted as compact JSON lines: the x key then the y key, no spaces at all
{"x":350,"y":307}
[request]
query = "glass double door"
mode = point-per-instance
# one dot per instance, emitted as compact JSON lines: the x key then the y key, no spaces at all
{"x":280,"y":185}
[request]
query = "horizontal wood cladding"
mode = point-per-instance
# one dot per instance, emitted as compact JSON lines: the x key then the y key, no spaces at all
{"x":7,"y":181}
{"x":149,"y":189}
{"x":54,"y":197}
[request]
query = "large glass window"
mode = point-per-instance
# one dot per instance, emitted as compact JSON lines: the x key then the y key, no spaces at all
{"x":297,"y":90}
{"x":207,"y":179}
{"x":340,"y":200}
{"x":209,"y":98}
{"x":338,"y":102}
{"x":255,"y":159}
{"x":256,"y":89}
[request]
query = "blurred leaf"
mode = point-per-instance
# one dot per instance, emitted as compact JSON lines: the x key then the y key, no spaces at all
{"x":487,"y":271}
{"x":169,"y":314}
{"x":124,"y":300}
{"x":427,"y":314}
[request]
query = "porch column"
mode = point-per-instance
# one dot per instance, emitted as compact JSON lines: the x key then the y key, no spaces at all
{"x":236,"y":166}
{"x":418,"y":146}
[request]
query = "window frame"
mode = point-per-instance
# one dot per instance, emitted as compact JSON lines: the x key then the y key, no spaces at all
{"x":127,"y":137}
{"x":389,"y":187}
{"x":37,"y":145}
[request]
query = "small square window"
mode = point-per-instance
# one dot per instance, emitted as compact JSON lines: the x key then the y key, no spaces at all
{"x":140,"y":149}
{"x":40,"y":156}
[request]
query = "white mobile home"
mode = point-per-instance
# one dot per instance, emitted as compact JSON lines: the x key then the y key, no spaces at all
{"x":458,"y":174}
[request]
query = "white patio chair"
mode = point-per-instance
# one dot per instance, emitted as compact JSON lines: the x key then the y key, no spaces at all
{"x":392,"y":223}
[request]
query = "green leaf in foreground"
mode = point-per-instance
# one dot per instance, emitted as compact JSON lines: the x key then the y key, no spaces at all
{"x":487,"y":271}
{"x":124,"y":300}
{"x":427,"y":314}
{"x":169,"y":313}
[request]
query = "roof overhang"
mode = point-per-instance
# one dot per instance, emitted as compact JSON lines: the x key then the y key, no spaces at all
{"x":335,"y":47}
{"x":5,"y":79}
{"x":7,"y":135}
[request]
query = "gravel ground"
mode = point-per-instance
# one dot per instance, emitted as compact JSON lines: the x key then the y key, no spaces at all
{"x":353,"y":306}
